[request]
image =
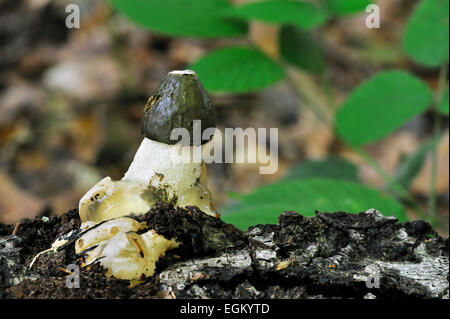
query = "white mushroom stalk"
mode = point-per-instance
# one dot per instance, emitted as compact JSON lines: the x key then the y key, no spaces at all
{"x":154,"y":176}
{"x":172,"y":170}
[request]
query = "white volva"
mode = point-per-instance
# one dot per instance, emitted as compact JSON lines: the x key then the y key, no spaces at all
{"x":118,"y":247}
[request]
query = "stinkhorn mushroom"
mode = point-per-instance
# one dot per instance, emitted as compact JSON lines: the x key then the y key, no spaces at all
{"x":163,"y":171}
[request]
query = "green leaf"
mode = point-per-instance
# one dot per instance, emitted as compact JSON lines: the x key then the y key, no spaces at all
{"x":427,"y":33}
{"x":237,"y":69}
{"x":381,"y":105}
{"x":265,"y":204}
{"x":300,"y":49}
{"x":345,"y":7}
{"x":443,"y":106}
{"x":198,"y":18}
{"x":331,"y":168}
{"x":301,"y":14}
{"x":411,"y":165}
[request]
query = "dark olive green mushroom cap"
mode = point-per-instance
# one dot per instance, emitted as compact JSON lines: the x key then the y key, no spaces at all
{"x":180,"y":98}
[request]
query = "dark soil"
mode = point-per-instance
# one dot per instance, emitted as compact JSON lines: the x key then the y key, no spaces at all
{"x":199,"y":233}
{"x":317,"y":257}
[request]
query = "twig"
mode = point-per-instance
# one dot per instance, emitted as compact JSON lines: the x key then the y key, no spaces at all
{"x":309,"y":103}
{"x":395,"y":186}
{"x":65,"y":270}
{"x":436,"y":136}
{"x":16,"y":229}
{"x":37,"y":256}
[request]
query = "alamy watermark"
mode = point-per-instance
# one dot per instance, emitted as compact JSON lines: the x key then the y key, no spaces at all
{"x":373,"y":18}
{"x":73,"y":18}
{"x":73,"y":279}
{"x":252,"y":146}
{"x":373,"y":279}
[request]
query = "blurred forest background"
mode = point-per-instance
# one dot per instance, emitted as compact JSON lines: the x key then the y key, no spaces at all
{"x":71,"y":100}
